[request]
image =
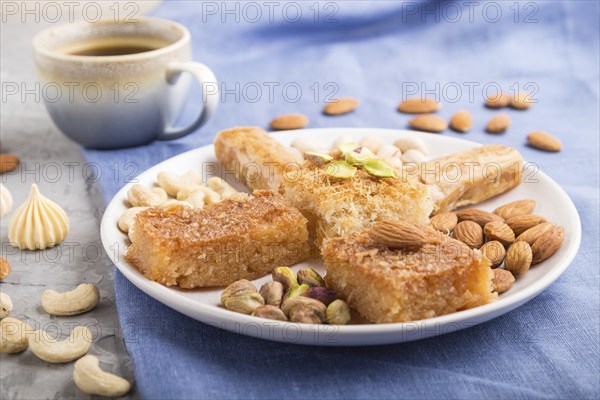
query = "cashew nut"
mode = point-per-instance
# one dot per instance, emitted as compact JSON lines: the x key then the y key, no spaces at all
{"x":6,"y":305}
{"x":372,"y":142}
{"x":414,"y":156}
{"x":196,"y":199}
{"x":141,"y":196}
{"x":223,"y":188}
{"x":128,"y":218}
{"x":173,"y":202}
{"x":13,"y":335}
{"x":79,"y":300}
{"x":341,"y":140}
{"x":388,"y":151}
{"x":173,"y":183}
{"x":411,"y":143}
{"x":91,"y":379}
{"x":209,"y":196}
{"x":54,"y":351}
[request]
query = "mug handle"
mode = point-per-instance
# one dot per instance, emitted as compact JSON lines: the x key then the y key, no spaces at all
{"x":203,"y":76}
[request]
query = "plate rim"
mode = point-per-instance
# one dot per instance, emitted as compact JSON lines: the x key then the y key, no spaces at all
{"x":482,"y":313}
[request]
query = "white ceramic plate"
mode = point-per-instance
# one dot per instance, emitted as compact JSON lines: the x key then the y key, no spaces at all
{"x":204,"y":305}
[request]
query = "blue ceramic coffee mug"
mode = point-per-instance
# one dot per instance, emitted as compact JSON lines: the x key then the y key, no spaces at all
{"x":111,"y":85}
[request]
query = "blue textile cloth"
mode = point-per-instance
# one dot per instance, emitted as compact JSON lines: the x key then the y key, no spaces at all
{"x":379,"y":52}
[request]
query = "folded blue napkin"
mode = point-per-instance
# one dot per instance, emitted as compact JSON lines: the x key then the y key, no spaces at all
{"x":378,"y":51}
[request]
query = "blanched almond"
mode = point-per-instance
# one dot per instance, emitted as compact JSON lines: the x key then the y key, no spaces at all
{"x":429,"y":123}
{"x":498,"y":124}
{"x":461,"y":121}
{"x":544,"y":141}
{"x":289,"y":121}
{"x":343,"y":105}
{"x":418,"y":105}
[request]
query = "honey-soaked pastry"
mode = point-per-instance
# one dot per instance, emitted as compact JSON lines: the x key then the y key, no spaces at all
{"x":238,"y":238}
{"x":258,"y":160}
{"x":387,"y":284}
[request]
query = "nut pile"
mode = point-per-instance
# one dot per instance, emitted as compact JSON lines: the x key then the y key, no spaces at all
{"x":18,"y":335}
{"x":187,"y":189}
{"x":510,"y":235}
{"x":301,"y":298}
{"x":404,"y":150}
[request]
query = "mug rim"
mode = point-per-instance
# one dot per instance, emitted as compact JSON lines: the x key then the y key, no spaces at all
{"x":182,"y":41}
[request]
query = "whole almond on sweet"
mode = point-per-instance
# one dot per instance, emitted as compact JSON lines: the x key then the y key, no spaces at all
{"x":461,"y":121}
{"x":429,"y":123}
{"x":498,"y":124}
{"x":502,"y":280}
{"x":289,"y":121}
{"x":397,"y":234}
{"x":545,"y":246}
{"x":478,"y":216}
{"x":343,"y":105}
{"x":544,"y":141}
{"x":521,"y":101}
{"x":515,"y":208}
{"x":4,"y":268}
{"x":498,"y":100}
{"x":469,"y":233}
{"x":518,"y":258}
{"x":8,"y":163}
{"x":494,"y":251}
{"x":418,"y":105}
{"x":521,"y":223}
{"x":533,"y":234}
{"x":499,"y":231}
{"x":444,"y":222}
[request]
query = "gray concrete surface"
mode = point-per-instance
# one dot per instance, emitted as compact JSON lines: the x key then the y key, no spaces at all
{"x":57,"y":166}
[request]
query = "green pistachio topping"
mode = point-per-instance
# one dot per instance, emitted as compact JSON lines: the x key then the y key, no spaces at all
{"x":356,"y":158}
{"x":380,"y":169}
{"x":340,"y":169}
{"x":347,"y":147}
{"x":318,"y":158}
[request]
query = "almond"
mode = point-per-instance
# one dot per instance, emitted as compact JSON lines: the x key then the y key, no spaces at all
{"x":478,"y":216}
{"x":533,"y":234}
{"x":397,"y":234}
{"x":289,"y":121}
{"x":516,"y":208}
{"x":343,"y":105}
{"x":498,"y":124}
{"x":8,"y":163}
{"x":518,"y":258}
{"x":544,"y":141}
{"x":429,"y":123}
{"x":4,"y":268}
{"x":502,"y":280}
{"x":444,"y":222}
{"x":498,"y":100}
{"x":494,"y":251}
{"x":521,"y":101}
{"x":547,"y":244}
{"x":499,"y":231}
{"x":461,"y":121}
{"x":521,"y":223}
{"x":469,"y":233}
{"x":418,"y":105}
